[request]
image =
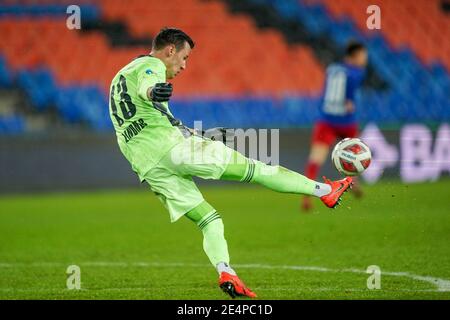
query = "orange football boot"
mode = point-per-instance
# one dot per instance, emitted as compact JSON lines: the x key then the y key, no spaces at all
{"x":234,"y":286}
{"x":338,"y":187}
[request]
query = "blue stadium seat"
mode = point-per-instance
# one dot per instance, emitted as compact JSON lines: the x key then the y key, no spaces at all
{"x":6,"y":77}
{"x":13,"y":124}
{"x":88,"y":11}
{"x":402,"y":70}
{"x":39,"y":85}
{"x":417,"y":92}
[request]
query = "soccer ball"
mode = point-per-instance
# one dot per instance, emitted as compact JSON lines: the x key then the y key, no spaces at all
{"x":351,"y":156}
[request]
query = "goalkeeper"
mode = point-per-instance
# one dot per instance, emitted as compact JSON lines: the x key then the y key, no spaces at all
{"x":166,"y":154}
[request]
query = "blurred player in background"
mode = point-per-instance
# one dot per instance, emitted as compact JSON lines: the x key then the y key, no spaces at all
{"x":337,"y":110}
{"x":166,"y":154}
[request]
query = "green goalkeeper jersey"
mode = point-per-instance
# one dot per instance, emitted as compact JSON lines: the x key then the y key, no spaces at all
{"x":145,"y":129}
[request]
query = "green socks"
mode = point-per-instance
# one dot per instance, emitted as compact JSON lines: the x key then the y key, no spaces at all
{"x":211,"y":225}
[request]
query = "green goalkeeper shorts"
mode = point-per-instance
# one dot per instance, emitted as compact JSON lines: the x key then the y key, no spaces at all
{"x":171,"y":179}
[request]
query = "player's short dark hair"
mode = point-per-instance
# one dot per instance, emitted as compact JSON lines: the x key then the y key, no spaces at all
{"x":353,"y":47}
{"x":167,"y":36}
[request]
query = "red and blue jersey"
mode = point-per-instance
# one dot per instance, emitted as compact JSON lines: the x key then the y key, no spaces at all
{"x":341,"y":84}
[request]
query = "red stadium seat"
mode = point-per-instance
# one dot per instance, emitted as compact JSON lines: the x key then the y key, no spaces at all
{"x":231,"y":56}
{"x":419,"y":24}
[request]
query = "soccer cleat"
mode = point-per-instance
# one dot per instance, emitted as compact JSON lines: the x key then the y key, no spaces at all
{"x":234,"y":286}
{"x":338,"y":187}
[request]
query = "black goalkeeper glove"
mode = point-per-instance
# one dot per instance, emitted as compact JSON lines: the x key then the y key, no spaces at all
{"x":161,"y":92}
{"x":221,"y":134}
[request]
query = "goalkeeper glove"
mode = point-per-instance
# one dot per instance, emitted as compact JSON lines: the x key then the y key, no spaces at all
{"x":161,"y":92}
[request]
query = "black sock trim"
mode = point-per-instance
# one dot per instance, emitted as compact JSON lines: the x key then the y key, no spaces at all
{"x":208,"y":220}
{"x":250,"y":172}
{"x":215,"y":218}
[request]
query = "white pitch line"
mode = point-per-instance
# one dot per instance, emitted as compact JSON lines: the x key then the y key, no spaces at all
{"x":442,"y":285}
{"x":62,"y":290}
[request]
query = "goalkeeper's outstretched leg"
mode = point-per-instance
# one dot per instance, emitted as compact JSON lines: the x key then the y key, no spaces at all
{"x":280,"y":179}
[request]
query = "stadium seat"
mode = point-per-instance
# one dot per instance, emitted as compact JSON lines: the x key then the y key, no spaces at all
{"x":233,"y":60}
{"x":419,"y":24}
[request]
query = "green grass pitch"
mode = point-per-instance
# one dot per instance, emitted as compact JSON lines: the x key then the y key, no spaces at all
{"x":127,"y":248}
